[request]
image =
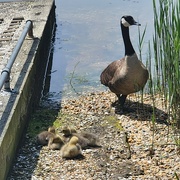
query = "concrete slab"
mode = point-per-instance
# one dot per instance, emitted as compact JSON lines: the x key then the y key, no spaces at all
{"x":28,"y":69}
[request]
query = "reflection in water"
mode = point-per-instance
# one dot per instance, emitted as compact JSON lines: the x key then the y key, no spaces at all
{"x":88,"y":38}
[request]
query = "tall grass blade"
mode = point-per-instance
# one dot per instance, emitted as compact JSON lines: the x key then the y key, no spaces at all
{"x":166,"y":47}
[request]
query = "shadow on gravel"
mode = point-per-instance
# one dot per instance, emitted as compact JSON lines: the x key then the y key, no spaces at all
{"x":142,"y":112}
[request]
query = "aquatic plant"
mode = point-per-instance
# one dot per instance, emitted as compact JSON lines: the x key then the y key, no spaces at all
{"x":163,"y":62}
{"x":166,"y":46}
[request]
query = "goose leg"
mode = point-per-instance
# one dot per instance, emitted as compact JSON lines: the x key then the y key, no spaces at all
{"x":121,"y":101}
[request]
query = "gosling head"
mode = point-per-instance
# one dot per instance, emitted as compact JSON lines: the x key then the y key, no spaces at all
{"x":51,"y":129}
{"x":67,"y":131}
{"x":127,"y":21}
{"x":74,"y":140}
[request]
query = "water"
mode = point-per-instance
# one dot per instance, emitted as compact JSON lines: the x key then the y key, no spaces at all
{"x":88,"y":38}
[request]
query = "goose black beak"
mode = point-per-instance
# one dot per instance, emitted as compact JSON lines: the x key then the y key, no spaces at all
{"x":136,"y":23}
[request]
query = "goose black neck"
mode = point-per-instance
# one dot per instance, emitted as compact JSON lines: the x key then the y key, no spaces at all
{"x":129,"y":50}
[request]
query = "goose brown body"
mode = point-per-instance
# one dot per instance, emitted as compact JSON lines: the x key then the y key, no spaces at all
{"x":125,"y":76}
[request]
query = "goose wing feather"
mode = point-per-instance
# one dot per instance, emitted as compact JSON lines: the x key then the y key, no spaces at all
{"x":108,"y":73}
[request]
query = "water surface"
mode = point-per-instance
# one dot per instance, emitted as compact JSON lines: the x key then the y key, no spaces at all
{"x":88,"y":38}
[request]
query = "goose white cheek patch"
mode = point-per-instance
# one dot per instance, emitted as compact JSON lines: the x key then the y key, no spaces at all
{"x":125,"y":23}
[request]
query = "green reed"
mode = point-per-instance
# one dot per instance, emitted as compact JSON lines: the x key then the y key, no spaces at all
{"x":166,"y":48}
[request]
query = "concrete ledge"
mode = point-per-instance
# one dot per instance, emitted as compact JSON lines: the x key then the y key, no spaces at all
{"x":28,"y":83}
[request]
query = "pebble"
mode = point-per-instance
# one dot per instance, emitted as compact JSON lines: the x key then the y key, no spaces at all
{"x":153,"y":150}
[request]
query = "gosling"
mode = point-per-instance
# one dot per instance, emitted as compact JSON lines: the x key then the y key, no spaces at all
{"x":55,"y":142}
{"x":85,"y":139}
{"x":43,"y":137}
{"x":72,"y":149}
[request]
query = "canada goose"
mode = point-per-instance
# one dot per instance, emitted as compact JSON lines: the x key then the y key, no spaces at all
{"x":43,"y":137}
{"x":85,"y":139}
{"x":55,"y":142}
{"x":71,"y":149}
{"x":127,"y":75}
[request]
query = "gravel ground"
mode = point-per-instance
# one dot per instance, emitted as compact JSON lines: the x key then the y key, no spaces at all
{"x":132,"y":147}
